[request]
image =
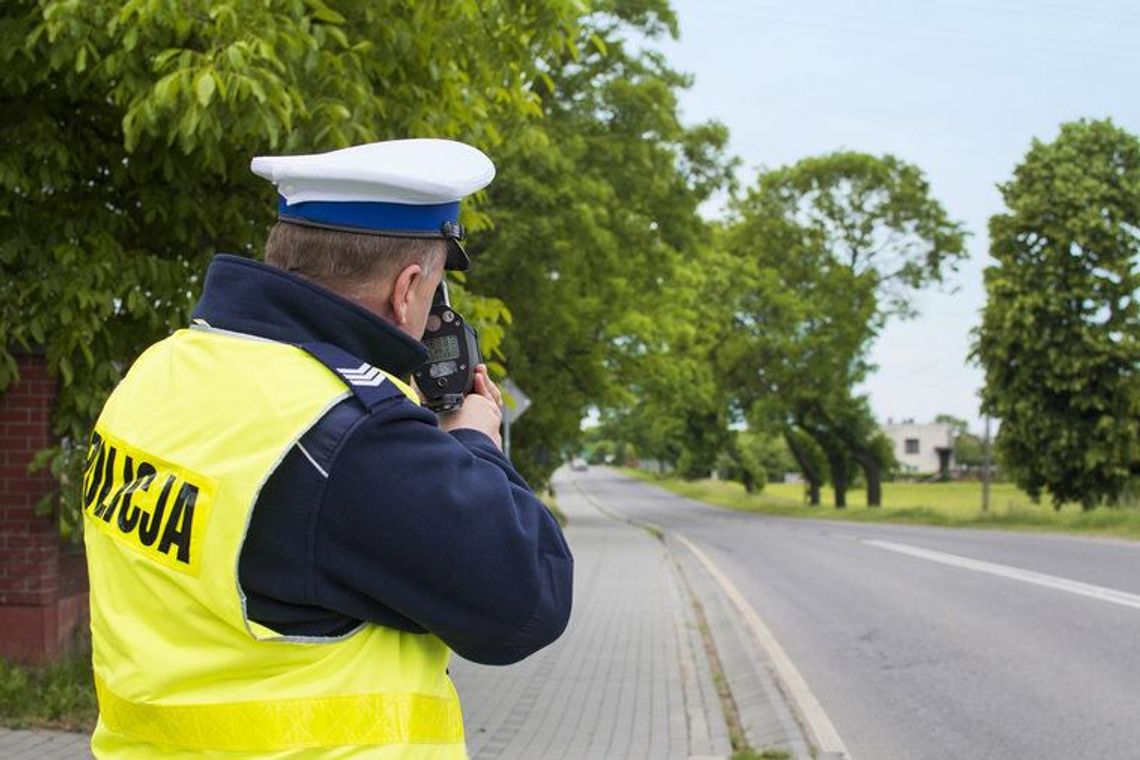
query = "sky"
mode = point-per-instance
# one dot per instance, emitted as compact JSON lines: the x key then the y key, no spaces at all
{"x":958,"y":87}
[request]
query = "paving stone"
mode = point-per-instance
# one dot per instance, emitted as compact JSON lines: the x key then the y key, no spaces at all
{"x":43,"y":745}
{"x":628,"y":679}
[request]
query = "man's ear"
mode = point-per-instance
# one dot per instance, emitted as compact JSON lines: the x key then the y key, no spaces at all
{"x":400,"y":300}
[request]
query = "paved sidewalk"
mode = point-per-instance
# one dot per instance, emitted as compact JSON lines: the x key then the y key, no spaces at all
{"x":43,"y":745}
{"x":628,"y":679}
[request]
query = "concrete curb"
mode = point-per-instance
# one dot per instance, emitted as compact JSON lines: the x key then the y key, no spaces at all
{"x":767,"y":717}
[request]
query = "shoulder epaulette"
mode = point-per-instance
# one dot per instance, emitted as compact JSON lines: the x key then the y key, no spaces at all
{"x":370,"y":384}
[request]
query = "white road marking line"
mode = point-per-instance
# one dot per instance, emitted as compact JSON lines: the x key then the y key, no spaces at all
{"x":824,"y":735}
{"x":1055,"y":582}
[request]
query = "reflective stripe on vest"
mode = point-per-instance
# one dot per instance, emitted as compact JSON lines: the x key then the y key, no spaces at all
{"x":179,"y":455}
{"x":287,"y":723}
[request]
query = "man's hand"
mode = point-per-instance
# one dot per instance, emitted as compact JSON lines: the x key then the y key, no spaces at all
{"x":482,"y":410}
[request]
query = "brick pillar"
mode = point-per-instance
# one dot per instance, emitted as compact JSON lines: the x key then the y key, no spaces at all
{"x":43,"y":590}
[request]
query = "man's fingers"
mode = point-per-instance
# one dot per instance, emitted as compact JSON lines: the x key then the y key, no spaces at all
{"x":484,"y":386}
{"x":481,"y":384}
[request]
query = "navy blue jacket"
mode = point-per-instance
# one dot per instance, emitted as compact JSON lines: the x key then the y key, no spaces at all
{"x":379,"y":515}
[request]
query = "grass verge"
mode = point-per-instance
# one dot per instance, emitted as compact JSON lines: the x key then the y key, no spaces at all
{"x":57,"y":695}
{"x":946,"y":504}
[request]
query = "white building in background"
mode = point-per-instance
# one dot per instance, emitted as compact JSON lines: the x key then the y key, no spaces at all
{"x":922,"y":448}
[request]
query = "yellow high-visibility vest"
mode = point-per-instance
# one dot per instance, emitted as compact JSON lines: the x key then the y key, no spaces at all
{"x":178,"y":457}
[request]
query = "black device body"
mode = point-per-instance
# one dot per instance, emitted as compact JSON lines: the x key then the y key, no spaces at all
{"x":453,"y":353}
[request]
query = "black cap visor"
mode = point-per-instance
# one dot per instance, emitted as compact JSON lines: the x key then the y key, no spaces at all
{"x":457,"y":258}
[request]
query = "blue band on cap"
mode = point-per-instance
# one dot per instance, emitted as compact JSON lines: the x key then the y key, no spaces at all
{"x":374,"y":215}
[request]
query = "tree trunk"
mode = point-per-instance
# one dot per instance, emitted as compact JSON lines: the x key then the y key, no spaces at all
{"x":749,"y":480}
{"x":806,"y":469}
{"x":873,"y":473}
{"x":838,"y":464}
{"x":874,"y":484}
{"x":813,"y":492}
{"x":834,"y":450}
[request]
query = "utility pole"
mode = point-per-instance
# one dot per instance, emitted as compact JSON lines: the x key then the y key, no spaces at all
{"x":986,"y":467}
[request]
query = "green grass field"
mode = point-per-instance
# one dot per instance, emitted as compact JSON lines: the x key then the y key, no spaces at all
{"x":953,"y":499}
{"x":949,"y":504}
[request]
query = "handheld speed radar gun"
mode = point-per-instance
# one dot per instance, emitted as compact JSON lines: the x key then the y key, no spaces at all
{"x":453,"y":353}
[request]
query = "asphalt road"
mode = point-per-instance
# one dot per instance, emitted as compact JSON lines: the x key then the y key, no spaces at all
{"x":929,"y":642}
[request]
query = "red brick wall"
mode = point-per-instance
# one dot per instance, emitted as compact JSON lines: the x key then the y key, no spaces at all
{"x":42,"y":582}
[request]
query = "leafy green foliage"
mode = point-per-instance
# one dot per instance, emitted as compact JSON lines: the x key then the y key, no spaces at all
{"x":753,"y":459}
{"x":680,"y":412}
{"x":1060,"y":334}
{"x":590,"y":231}
{"x":824,"y":252}
{"x":128,"y":127}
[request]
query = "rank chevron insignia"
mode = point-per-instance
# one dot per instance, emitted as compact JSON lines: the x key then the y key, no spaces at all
{"x":364,"y":375}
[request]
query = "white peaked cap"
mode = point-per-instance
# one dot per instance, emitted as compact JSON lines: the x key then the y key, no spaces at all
{"x":412,"y":172}
{"x":399,"y":187}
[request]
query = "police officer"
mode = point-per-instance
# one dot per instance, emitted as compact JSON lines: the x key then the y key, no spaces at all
{"x":284,"y":547}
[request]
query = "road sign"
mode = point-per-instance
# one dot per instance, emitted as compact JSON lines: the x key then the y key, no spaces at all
{"x":516,"y":403}
{"x":521,"y":402}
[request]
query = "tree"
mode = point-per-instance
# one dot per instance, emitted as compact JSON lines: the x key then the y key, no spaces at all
{"x":127,"y":130}
{"x":672,"y":406}
{"x":754,"y":459}
{"x":592,"y":232}
{"x":831,"y":248}
{"x":854,"y":426}
{"x":810,"y":460}
{"x":1060,"y":330}
{"x":969,"y":449}
{"x":742,"y":460}
{"x":672,"y":373}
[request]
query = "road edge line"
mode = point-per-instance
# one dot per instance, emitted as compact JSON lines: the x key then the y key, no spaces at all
{"x":823,"y":733}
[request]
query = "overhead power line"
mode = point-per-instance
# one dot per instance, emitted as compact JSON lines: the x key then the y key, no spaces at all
{"x":879,"y":27}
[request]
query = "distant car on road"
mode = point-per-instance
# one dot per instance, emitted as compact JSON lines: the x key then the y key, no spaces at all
{"x":579,"y":465}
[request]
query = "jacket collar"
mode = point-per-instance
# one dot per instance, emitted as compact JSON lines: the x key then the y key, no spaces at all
{"x":247,"y":296}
